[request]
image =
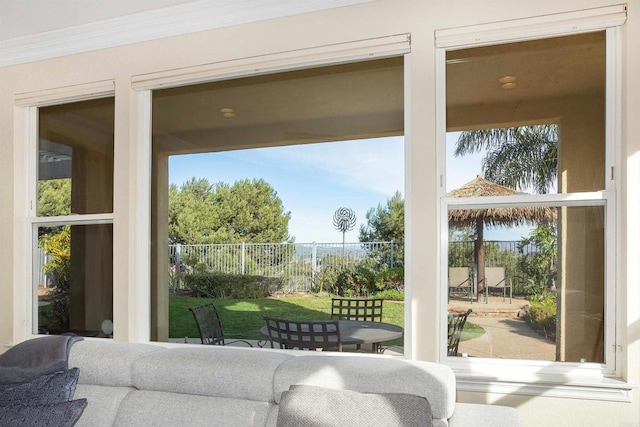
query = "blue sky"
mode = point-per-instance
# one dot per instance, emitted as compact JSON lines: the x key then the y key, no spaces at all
{"x":314,"y":180}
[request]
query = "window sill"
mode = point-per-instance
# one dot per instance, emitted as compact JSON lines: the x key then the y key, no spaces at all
{"x":525,"y":381}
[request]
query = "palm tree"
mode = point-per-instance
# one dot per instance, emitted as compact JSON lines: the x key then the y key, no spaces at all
{"x":524,"y":157}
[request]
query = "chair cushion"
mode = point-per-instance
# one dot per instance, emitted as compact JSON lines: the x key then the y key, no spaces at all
{"x":323,"y":407}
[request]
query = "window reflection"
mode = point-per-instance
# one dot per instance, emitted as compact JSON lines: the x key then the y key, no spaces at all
{"x":75,"y":158}
{"x":539,"y":291}
{"x":75,"y":278}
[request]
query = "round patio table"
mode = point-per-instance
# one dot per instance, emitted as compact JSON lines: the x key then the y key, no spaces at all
{"x":360,"y":332}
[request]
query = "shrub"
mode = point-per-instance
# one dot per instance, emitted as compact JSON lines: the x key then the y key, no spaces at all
{"x":391,"y":278}
{"x":541,"y":313}
{"x":58,"y":247}
{"x":390,"y":294}
{"x":355,"y":281}
{"x":222,"y":285}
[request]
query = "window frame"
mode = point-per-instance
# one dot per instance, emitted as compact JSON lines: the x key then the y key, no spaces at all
{"x":143,"y":85}
{"x":25,"y":194}
{"x":564,"y":379}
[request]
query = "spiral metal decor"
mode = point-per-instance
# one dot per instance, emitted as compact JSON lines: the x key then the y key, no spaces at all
{"x":344,"y":219}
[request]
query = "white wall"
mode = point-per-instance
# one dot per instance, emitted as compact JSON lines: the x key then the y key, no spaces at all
{"x":380,"y":18}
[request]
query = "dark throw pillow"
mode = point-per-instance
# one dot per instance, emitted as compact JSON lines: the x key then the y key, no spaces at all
{"x":309,"y":406}
{"x":62,"y":414}
{"x":51,"y":388}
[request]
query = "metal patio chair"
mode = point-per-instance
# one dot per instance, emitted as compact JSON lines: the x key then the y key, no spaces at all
{"x":455,"y":324}
{"x":304,"y":335}
{"x":359,"y":309}
{"x":494,"y":278}
{"x":210,"y":326}
{"x":460,"y":282}
{"x":363,"y":309}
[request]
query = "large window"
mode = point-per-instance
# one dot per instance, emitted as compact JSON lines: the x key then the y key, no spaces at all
{"x":530,"y":199}
{"x":307,"y":114}
{"x":72,"y":219}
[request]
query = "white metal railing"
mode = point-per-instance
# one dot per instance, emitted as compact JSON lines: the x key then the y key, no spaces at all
{"x":298,"y":263}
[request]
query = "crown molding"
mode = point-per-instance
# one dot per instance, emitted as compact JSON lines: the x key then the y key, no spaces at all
{"x":170,"y":21}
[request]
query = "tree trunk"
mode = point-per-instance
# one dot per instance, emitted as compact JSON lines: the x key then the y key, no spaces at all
{"x":479,"y":255}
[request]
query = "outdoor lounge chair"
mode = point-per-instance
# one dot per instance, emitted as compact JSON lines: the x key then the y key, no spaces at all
{"x":494,"y":278}
{"x":304,"y":335}
{"x":460,"y":282}
{"x":210,"y":326}
{"x":455,"y":324}
{"x":360,"y":309}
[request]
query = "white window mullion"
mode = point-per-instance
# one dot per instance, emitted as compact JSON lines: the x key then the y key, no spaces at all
{"x":613,"y":217}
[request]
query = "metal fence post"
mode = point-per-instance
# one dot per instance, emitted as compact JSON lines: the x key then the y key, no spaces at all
{"x":391,"y":256}
{"x":242,"y":258}
{"x":178,"y":263}
{"x":314,"y":260}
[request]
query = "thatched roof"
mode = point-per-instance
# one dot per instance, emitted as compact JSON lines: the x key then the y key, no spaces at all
{"x":480,"y":187}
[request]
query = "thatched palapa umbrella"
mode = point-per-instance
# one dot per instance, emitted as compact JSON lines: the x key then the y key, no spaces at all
{"x":500,"y":217}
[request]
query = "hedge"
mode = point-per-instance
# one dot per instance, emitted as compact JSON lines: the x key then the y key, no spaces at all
{"x":222,"y":285}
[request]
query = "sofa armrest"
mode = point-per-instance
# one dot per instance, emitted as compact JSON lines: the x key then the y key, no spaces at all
{"x":474,"y":414}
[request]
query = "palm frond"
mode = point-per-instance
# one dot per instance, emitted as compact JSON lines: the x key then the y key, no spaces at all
{"x":523,"y":157}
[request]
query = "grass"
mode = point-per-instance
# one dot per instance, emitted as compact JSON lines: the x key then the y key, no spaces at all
{"x":470,"y":331}
{"x":243,"y":318}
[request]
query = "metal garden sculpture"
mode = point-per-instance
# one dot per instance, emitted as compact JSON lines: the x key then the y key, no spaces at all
{"x":344,"y":219}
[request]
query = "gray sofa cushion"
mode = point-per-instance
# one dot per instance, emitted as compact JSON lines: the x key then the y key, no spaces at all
{"x":239,"y":373}
{"x":107,"y":362}
{"x":160,"y":409}
{"x":374,"y":375}
{"x":310,"y":406}
{"x":102,"y":404}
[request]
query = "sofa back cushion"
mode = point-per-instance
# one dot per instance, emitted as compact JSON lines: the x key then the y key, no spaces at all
{"x":239,"y":373}
{"x":106,"y":362}
{"x":372,"y":374}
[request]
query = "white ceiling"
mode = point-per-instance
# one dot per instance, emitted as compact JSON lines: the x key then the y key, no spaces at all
{"x":33,"y":30}
{"x":19,"y":18}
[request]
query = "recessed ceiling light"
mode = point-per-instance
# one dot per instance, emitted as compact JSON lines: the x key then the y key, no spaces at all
{"x":228,"y":112}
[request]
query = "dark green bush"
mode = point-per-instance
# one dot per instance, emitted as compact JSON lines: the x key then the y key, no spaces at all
{"x":354,"y":281}
{"x":222,"y":285}
{"x":391,"y":278}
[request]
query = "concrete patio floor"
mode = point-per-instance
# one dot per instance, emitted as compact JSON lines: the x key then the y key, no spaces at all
{"x":507,"y":336}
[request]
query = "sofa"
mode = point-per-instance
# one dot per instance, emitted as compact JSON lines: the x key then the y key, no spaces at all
{"x":129,"y":384}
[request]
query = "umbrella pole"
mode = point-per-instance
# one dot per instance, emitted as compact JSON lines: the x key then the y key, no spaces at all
{"x":479,"y":255}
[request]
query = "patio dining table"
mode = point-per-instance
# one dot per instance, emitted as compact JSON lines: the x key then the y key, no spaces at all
{"x":360,"y":332}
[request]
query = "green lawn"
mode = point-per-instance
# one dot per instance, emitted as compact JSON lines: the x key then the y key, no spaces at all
{"x":244,"y":318}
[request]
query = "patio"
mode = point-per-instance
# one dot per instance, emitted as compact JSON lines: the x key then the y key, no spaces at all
{"x":507,"y":335}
